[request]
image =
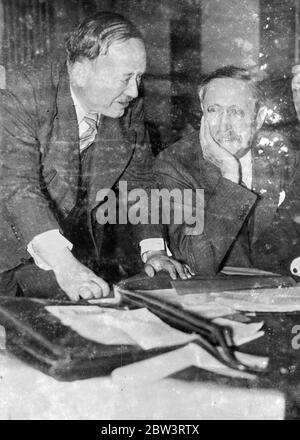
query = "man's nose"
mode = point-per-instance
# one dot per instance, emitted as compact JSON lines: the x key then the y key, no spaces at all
{"x":132,"y":88}
{"x":225,"y":121}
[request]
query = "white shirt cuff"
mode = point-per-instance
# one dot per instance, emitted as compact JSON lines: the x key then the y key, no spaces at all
{"x":52,"y":240}
{"x":153,"y":244}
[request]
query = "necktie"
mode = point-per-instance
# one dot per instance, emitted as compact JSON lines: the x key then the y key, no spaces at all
{"x":88,"y":136}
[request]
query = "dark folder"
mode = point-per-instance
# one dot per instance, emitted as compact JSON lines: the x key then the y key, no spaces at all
{"x":37,"y":337}
{"x":200,"y":284}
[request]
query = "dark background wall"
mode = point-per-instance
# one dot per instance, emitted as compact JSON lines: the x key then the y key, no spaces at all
{"x":185,"y":40}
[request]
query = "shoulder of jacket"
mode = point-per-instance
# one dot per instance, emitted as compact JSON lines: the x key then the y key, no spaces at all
{"x":185,"y":150}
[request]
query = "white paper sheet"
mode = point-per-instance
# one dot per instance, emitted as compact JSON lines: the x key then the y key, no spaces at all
{"x":158,"y":367}
{"x":242,"y":333}
{"x":121,"y":327}
{"x":261,"y":300}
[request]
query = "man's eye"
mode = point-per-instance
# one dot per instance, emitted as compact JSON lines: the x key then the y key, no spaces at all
{"x":212,"y":110}
{"x":125,"y":80}
{"x":236,"y":112}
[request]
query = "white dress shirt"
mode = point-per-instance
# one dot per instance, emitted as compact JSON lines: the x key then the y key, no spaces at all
{"x":246,"y":169}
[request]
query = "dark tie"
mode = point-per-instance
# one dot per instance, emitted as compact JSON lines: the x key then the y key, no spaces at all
{"x":87,"y":138}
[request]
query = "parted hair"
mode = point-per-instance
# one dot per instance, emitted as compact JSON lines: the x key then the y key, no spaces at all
{"x":95,"y":34}
{"x":233,"y":72}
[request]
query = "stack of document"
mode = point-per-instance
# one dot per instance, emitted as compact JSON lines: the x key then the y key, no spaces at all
{"x":143,"y":328}
{"x":261,"y":300}
{"x":120,"y":327}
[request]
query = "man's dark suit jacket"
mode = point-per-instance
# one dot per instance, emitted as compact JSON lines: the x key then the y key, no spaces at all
{"x":41,"y":171}
{"x":241,"y":227}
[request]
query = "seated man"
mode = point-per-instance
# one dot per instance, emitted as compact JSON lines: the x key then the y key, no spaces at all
{"x":69,"y":130}
{"x":245,"y":177}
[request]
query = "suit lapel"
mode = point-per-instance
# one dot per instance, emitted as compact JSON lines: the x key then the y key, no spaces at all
{"x":209,"y":174}
{"x":266,"y":185}
{"x":107,"y":159}
{"x":63,"y":149}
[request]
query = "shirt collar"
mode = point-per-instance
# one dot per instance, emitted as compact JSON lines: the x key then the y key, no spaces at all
{"x":80,"y":112}
{"x":246,"y":169}
{"x":246,"y":161}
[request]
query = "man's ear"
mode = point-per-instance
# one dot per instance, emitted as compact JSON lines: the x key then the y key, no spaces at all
{"x":80,"y":71}
{"x":200,"y":94}
{"x":261,"y":116}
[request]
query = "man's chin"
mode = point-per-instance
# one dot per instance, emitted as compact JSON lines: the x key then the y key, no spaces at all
{"x":234,"y":147}
{"x":115,"y":111}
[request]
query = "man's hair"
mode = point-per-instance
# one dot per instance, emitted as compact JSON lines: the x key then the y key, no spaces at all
{"x":235,"y":73}
{"x":95,"y":34}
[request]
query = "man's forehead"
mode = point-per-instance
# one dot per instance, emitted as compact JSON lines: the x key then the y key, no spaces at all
{"x":229,"y":91}
{"x":129,"y":55}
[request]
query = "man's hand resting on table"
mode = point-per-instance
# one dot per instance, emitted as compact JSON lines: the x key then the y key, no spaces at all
{"x":156,"y":261}
{"x":76,"y":280}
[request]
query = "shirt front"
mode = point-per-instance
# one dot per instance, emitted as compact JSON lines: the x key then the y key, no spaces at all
{"x":246,"y":169}
{"x":83,"y":126}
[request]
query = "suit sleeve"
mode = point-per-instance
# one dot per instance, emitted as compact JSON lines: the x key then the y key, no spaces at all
{"x":139,"y":173}
{"x":224,"y":214}
{"x":26,"y":206}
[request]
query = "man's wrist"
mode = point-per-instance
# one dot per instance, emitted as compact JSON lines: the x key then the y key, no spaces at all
{"x":48,"y":248}
{"x":148,"y":254}
{"x":62,"y":260}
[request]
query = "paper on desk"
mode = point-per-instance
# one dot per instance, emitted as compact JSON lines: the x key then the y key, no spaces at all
{"x":158,"y":367}
{"x":242,"y":333}
{"x":218,"y":304}
{"x":121,"y":327}
{"x":261,"y":300}
{"x":205,"y":305}
{"x":249,"y":271}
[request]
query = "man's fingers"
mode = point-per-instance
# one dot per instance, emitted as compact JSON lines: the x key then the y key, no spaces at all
{"x":85,"y":292}
{"x":74,"y":296}
{"x":157,"y":266}
{"x":102,"y":285}
{"x":187,"y":273}
{"x":96,"y":289}
{"x":188,"y":269}
{"x":150,"y":271}
{"x":170,"y":268}
{"x":180,"y":269}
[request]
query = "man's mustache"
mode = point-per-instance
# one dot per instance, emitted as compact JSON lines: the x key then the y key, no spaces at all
{"x":228,"y":136}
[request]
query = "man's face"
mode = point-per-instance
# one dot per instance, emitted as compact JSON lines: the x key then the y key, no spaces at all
{"x":229,"y":108}
{"x":108,"y":83}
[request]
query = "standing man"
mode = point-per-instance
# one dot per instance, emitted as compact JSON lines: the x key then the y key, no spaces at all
{"x":68,"y":131}
{"x":245,"y":178}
